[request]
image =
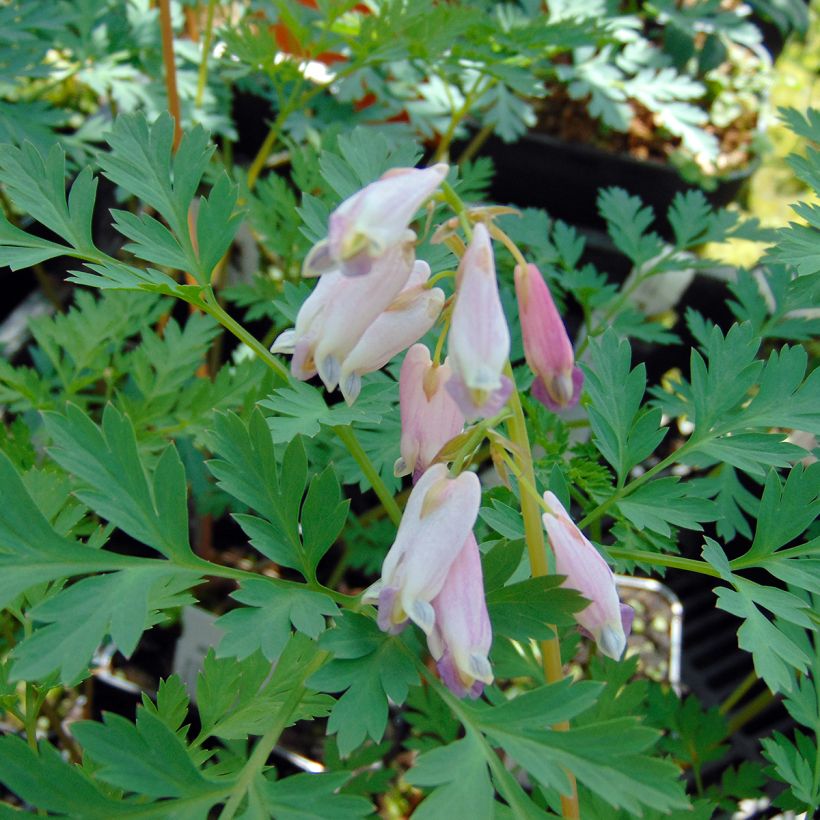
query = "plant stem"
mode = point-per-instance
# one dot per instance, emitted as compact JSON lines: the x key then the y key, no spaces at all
{"x":202,"y":77}
{"x":256,"y":762}
{"x":170,"y":68}
{"x":475,"y":144}
{"x":455,"y":120}
{"x":635,"y":483}
{"x":354,"y":447}
{"x":210,"y":305}
{"x":750,"y":711}
{"x":534,"y":537}
{"x":660,"y":560}
{"x":742,"y":688}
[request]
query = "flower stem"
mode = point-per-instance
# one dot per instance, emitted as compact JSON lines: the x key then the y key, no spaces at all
{"x":354,"y":447}
{"x":534,"y":537}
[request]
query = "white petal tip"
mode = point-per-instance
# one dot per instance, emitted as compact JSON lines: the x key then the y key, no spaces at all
{"x":612,"y":641}
{"x":480,"y":668}
{"x":284,"y":342}
{"x":400,"y":468}
{"x":423,"y":615}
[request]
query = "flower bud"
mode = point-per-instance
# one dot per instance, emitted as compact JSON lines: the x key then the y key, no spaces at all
{"x":367,"y":224}
{"x":547,"y":347}
{"x":407,"y":318}
{"x":439,"y":515}
{"x":429,"y":415}
{"x":587,"y":572}
{"x":462,"y":636}
{"x":479,"y":341}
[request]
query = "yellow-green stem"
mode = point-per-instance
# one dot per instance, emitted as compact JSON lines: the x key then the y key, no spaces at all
{"x":536,"y":549}
{"x":202,"y":77}
{"x":750,"y":711}
{"x":735,"y":697}
{"x":211,"y":306}
{"x":348,"y":438}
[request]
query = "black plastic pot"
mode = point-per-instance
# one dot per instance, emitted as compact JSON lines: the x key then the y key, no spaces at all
{"x":564,"y":179}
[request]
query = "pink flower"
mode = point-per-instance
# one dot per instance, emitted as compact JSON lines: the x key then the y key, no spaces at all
{"x":439,"y":516}
{"x":547,"y":347}
{"x":336,"y":315}
{"x":479,"y":341}
{"x":407,"y":318}
{"x":429,"y":415}
{"x":461,"y":638}
{"x":587,"y":572}
{"x":367,"y":224}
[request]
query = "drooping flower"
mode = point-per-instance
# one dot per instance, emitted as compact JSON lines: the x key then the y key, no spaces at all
{"x":407,"y":318}
{"x":439,"y":516}
{"x":547,"y":347}
{"x":479,"y":340}
{"x":429,"y":415}
{"x":462,"y":635}
{"x":587,"y":572}
{"x":335,"y":316}
{"x":367,"y":224}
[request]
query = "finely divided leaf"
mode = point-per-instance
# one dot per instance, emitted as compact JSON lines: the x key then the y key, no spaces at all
{"x":151,"y":508}
{"x":371,"y":667}
{"x":625,"y":433}
{"x":265,"y":622}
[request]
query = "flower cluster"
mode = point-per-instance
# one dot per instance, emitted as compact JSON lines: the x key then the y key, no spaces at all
{"x":372,"y":299}
{"x":371,"y":302}
{"x":432,"y":576}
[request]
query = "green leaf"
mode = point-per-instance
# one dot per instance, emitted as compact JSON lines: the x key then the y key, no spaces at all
{"x":665,"y":502}
{"x":314,"y":797}
{"x":216,"y":224}
{"x":522,"y":611}
{"x":236,"y":698}
{"x":265,"y":622}
{"x":773,"y":651}
{"x":145,"y":757}
{"x":323,"y":516}
{"x":247,"y":469}
{"x":32,"y":551}
{"x":459,"y":773}
{"x":363,"y":156}
{"x":503,"y":519}
{"x":152,"y":509}
{"x":627,"y":222}
{"x":547,"y":705}
{"x":118,"y":604}
{"x":371,"y":667}
{"x":142,"y":162}
{"x":785,"y":512}
{"x":36,"y":185}
{"x":46,"y":781}
{"x":300,"y":409}
{"x":172,"y":704}
{"x":625,"y":778}
{"x":796,"y":764}
{"x":625,"y":433}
